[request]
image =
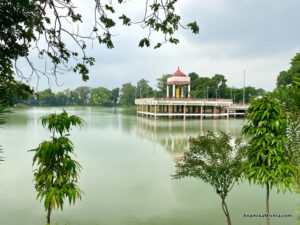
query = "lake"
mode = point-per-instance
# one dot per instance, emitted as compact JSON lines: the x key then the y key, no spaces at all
{"x":127,"y":162}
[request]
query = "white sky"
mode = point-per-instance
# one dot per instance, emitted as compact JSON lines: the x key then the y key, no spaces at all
{"x":260,"y":36}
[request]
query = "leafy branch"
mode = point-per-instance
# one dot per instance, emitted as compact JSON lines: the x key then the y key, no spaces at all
{"x":45,"y":27}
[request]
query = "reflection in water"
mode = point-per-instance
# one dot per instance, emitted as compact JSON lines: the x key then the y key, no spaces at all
{"x":173,"y":135}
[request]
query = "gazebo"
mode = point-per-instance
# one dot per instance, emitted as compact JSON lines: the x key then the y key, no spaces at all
{"x":178,"y":79}
{"x":181,"y":105}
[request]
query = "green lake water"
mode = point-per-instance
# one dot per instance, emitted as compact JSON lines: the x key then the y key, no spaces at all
{"x":127,"y":162}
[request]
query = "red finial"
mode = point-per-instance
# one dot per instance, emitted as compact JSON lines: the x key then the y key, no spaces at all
{"x":178,"y":73}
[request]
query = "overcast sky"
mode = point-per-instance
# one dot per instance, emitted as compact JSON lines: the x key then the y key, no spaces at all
{"x":260,"y":36}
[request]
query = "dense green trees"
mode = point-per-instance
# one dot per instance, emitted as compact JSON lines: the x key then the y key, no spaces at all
{"x":56,"y":175}
{"x":115,"y":95}
{"x":143,"y":90}
{"x":128,"y":94}
{"x":47,"y":97}
{"x":101,"y":95}
{"x":193,"y":76}
{"x":61,"y":99}
{"x":215,"y":160}
{"x":83,"y":94}
{"x":216,"y":87}
{"x":12,"y":90}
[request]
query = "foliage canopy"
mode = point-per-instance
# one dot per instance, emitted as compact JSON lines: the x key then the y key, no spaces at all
{"x":268,"y":161}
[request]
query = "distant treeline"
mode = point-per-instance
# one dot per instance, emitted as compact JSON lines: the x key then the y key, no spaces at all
{"x":201,"y":87}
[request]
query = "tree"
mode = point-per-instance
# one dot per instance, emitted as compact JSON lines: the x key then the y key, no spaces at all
{"x":214,"y":160}
{"x":199,"y":88}
{"x":268,"y":158}
{"x":57,"y":174}
{"x":42,"y":28}
{"x":101,"y":95}
{"x":61,"y":99}
{"x":220,"y":85}
{"x":211,"y":88}
{"x":294,"y":70}
{"x":193,"y":76}
{"x":289,"y":95}
{"x":46,"y":97}
{"x":83,"y":94}
{"x":162,"y":85}
{"x":285,"y":78}
{"x":11,"y":90}
{"x":199,"y":83}
{"x":115,"y":95}
{"x":289,"y":98}
{"x":74,"y":98}
{"x":143,"y":89}
{"x":128,"y":94}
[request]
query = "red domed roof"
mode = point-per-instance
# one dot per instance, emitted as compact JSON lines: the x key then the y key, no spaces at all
{"x":178,"y":73}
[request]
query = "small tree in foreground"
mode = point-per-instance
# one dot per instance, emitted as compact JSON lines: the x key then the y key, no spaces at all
{"x":268,"y":160}
{"x":213,"y":159}
{"x":57,"y":174}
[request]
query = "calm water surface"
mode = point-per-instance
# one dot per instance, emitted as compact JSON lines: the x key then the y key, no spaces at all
{"x":127,"y":163}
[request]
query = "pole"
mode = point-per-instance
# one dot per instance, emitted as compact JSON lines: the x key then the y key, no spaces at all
{"x":244,"y":89}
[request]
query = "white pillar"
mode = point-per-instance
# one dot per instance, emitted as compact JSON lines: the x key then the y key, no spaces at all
{"x":189,"y":91}
{"x":167,"y":91}
{"x":173,"y":90}
{"x":181,"y":91}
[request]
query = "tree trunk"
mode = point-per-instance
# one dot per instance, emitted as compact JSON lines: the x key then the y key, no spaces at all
{"x":226,"y":212}
{"x":49,"y":214}
{"x":267,"y":204}
{"x":49,"y":206}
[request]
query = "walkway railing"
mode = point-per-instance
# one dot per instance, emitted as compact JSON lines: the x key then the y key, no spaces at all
{"x":190,"y":114}
{"x":186,"y":99}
